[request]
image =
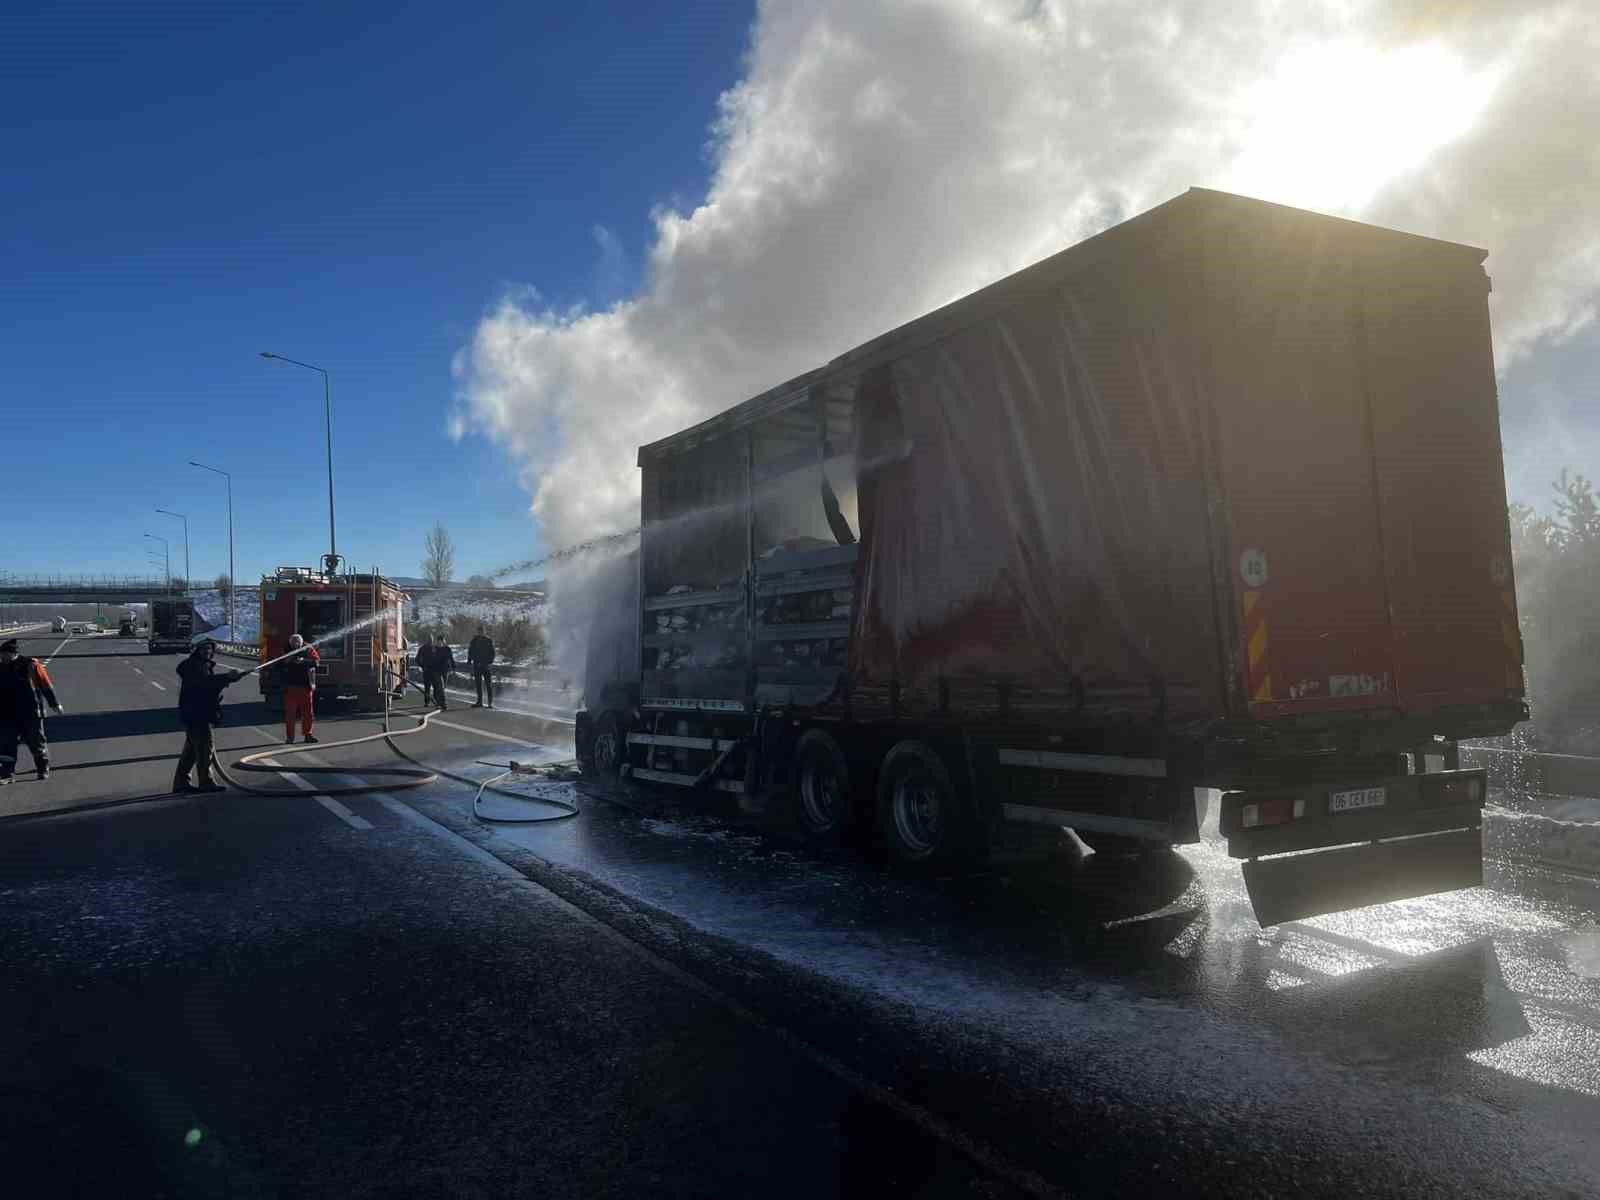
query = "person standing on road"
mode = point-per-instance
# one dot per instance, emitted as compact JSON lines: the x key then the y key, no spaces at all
{"x":25,"y":688}
{"x":480,"y":653}
{"x":436,"y":661}
{"x":299,"y":676}
{"x":200,"y":708}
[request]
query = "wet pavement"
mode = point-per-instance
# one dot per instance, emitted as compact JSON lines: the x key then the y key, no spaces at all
{"x":1093,"y":1026}
{"x":1450,"y":1042}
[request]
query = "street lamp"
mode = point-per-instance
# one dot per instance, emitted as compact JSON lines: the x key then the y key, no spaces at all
{"x":188,"y":579}
{"x":167,"y":556}
{"x":233,"y":582}
{"x":327,"y":416}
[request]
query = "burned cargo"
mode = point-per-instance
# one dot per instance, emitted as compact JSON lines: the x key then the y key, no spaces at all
{"x":1211,"y":500}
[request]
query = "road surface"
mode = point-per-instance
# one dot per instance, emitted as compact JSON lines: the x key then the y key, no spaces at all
{"x":382,"y":995}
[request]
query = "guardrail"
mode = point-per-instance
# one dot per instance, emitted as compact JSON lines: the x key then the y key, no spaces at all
{"x":1532,"y":771}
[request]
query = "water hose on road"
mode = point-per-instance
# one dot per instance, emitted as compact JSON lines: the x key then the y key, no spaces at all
{"x":418,"y":775}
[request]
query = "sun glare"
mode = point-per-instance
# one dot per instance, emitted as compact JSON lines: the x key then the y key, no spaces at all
{"x":1333,"y":124}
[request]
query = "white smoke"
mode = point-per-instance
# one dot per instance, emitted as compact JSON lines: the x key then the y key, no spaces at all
{"x":879,"y":159}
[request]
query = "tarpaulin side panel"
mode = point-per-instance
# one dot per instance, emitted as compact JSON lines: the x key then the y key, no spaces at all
{"x":1032,"y":504}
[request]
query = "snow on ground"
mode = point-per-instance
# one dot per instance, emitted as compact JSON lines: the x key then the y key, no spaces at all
{"x":210,"y":605}
{"x":479,"y":604}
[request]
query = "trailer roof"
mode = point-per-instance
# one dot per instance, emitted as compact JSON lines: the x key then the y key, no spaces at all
{"x":1167,"y":227}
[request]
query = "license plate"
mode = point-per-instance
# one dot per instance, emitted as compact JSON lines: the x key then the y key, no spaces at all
{"x":1375,"y":797}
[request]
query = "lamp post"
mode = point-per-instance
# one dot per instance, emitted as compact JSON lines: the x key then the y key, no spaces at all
{"x":233,"y":582}
{"x":167,"y":556}
{"x":327,"y":417}
{"x":188,"y":579}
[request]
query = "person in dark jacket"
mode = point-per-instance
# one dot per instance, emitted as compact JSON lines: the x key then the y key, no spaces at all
{"x":480,"y":653}
{"x":25,"y":688}
{"x":299,"y":676}
{"x":436,"y":661}
{"x":200,"y":708}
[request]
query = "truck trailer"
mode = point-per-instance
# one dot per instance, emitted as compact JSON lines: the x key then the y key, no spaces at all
{"x":1212,"y":500}
{"x":314,"y":604}
{"x":171,"y":625}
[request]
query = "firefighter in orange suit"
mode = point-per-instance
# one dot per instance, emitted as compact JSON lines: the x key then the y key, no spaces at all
{"x":299,"y":675}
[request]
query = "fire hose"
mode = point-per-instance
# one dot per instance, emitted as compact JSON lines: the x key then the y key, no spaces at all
{"x":418,"y":775}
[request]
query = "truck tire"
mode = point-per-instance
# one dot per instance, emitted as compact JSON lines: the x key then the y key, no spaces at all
{"x":820,"y":796}
{"x":922,"y":815}
{"x":610,"y":749}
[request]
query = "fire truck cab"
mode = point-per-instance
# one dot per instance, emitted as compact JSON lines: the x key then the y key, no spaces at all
{"x":314,"y":604}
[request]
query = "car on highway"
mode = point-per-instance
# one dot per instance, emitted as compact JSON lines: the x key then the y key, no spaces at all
{"x":84,"y":627}
{"x":59,"y":625}
{"x":127,"y":628}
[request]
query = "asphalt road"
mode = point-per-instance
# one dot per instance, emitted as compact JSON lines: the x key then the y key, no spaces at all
{"x":259,"y":997}
{"x":383,"y":995}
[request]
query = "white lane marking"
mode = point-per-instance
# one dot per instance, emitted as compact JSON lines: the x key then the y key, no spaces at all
{"x":136,"y":670}
{"x":490,"y":735}
{"x":57,"y":650}
{"x":160,"y":687}
{"x":343,"y":813}
{"x":328,"y":802}
{"x":552,"y":715}
{"x":986,"y":1155}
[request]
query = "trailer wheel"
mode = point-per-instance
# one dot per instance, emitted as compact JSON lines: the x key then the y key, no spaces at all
{"x":820,"y":795}
{"x":610,"y":748}
{"x":921,"y":814}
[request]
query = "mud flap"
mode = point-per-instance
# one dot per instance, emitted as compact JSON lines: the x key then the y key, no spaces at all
{"x":1289,"y":887}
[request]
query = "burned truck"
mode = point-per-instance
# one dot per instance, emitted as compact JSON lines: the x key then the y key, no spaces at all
{"x":1212,"y":500}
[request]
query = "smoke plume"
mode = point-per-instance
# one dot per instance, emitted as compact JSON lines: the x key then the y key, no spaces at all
{"x":878,"y":159}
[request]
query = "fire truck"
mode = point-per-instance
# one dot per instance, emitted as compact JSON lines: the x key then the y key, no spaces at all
{"x":316,"y":603}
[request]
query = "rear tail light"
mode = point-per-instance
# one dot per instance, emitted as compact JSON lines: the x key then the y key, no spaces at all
{"x":1456,"y":791}
{"x":1271,"y":812}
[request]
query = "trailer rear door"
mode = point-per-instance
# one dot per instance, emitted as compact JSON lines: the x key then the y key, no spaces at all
{"x":1441,"y":481}
{"x":1306,"y":556}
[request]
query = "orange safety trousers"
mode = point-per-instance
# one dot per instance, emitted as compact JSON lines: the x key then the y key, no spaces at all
{"x":298,"y":701}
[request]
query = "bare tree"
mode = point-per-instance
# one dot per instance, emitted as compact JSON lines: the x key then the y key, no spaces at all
{"x":223,"y":584}
{"x":479,"y":581}
{"x":439,"y":556}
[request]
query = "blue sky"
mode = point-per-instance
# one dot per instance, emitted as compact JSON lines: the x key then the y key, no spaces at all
{"x":364,"y":187}
{"x":353,"y":186}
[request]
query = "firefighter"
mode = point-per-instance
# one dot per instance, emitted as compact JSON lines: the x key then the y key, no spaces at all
{"x":200,"y":708}
{"x":299,"y":676}
{"x":25,"y":688}
{"x":436,"y":661}
{"x":480,"y":653}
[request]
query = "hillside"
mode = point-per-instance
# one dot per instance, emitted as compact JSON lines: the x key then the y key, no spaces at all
{"x":433,"y":607}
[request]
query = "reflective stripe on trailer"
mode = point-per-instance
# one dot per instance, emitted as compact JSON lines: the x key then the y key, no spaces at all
{"x":1254,"y":632}
{"x":1093,"y":764}
{"x":680,"y":702}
